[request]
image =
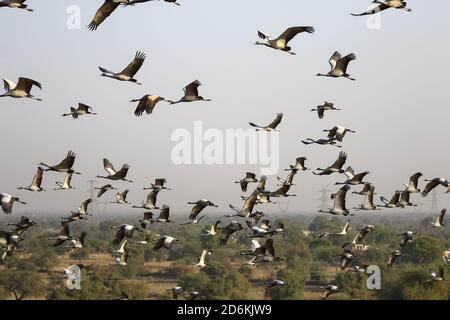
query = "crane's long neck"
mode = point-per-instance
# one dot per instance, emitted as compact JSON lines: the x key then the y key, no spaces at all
{"x":175,"y":102}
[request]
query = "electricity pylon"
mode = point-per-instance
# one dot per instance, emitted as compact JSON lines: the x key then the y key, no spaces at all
{"x":325,"y":198}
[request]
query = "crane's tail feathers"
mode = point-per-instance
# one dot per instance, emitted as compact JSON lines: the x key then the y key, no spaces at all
{"x":105,"y":70}
{"x":234,"y":208}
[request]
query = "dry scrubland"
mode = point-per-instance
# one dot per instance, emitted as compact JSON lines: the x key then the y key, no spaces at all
{"x":307,"y":263}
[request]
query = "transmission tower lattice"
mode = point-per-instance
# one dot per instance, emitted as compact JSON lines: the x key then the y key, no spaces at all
{"x":325,"y":198}
{"x":95,"y":206}
{"x":434,"y":202}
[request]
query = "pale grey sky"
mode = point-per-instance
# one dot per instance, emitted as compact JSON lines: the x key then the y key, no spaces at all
{"x":398,"y":105}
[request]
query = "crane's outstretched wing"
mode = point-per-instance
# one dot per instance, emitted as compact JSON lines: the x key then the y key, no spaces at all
{"x":277,"y":121}
{"x":342,"y":64}
{"x":8,"y":84}
{"x":192,"y":88}
{"x":26,"y":84}
{"x":290,"y":33}
{"x":102,"y":13}
{"x":379,"y":8}
{"x":134,"y":65}
{"x":68,"y":161}
{"x":109,"y":167}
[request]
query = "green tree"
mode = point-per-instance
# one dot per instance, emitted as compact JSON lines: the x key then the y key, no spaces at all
{"x":44,"y":258}
{"x":135,"y":262}
{"x":354,"y":284}
{"x":194,"y":282}
{"x":80,"y":254}
{"x":292,"y":291}
{"x":4,"y":294}
{"x":422,"y":250}
{"x":220,"y":281}
{"x":23,"y":284}
{"x":325,"y":254}
{"x":397,"y":283}
{"x":317,"y":273}
{"x":325,"y":223}
{"x":92,"y":288}
{"x":134,"y":289}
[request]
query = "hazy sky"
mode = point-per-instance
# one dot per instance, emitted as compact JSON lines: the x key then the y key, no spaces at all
{"x":398,"y":105}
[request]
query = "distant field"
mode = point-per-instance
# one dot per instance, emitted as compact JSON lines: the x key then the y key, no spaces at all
{"x":157,"y":286}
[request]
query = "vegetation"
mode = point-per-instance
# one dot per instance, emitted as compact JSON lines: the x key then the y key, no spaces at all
{"x":35,"y":271}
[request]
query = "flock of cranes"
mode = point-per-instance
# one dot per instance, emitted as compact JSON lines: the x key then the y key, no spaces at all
{"x":253,"y":221}
{"x":146,"y":104}
{"x":279,"y":43}
{"x":257,"y":225}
